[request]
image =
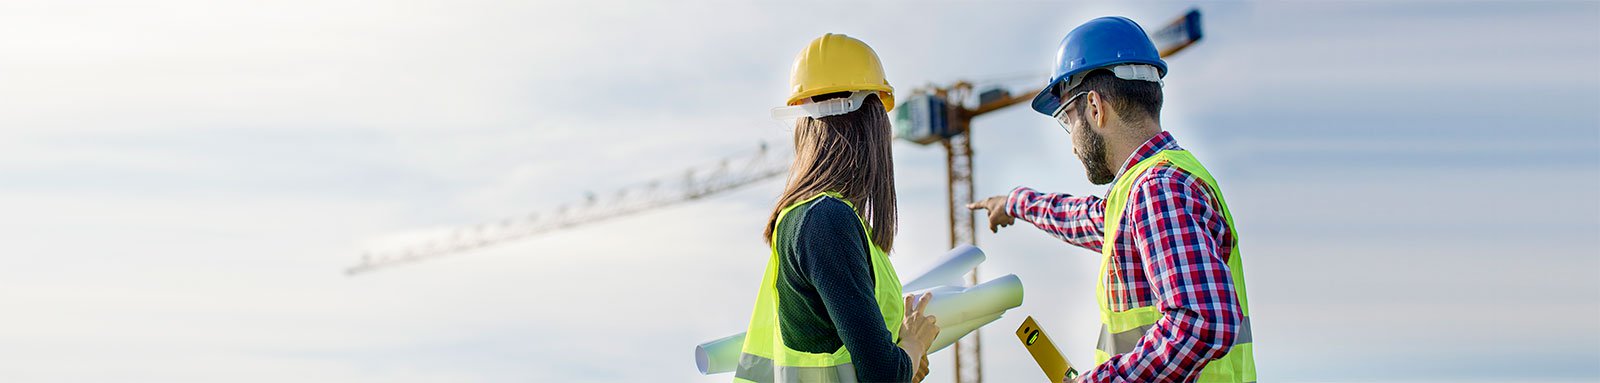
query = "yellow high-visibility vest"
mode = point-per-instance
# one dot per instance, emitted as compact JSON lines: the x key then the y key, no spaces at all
{"x":1120,"y":330}
{"x":765,"y":359}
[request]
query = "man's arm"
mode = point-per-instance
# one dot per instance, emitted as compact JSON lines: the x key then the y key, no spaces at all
{"x":1179,"y":232}
{"x":1077,"y":220}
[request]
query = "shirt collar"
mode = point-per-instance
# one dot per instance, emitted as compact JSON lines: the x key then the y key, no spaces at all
{"x":1161,"y":141}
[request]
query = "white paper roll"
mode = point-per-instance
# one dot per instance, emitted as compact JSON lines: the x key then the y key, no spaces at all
{"x":948,"y":271}
{"x":721,"y":355}
{"x":948,"y":334}
{"x":988,"y":298}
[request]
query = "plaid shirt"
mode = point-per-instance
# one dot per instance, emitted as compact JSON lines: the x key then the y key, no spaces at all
{"x":1171,"y":252}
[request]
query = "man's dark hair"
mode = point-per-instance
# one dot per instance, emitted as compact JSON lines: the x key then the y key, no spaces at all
{"x":1134,"y":99}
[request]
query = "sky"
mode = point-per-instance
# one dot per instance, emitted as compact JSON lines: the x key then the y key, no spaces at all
{"x":1416,"y":184}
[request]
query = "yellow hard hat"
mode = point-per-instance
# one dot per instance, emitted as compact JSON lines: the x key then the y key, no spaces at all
{"x":838,"y":63}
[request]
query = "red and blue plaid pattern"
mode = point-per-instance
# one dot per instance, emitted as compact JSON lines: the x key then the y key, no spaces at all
{"x":1171,"y":252}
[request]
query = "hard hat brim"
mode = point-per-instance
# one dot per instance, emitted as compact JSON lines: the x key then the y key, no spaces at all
{"x":1046,"y":102}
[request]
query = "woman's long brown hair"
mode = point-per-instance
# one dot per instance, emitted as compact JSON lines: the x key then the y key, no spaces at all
{"x":849,"y":154}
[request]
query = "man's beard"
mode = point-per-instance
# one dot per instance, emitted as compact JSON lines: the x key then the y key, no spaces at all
{"x":1093,"y":155}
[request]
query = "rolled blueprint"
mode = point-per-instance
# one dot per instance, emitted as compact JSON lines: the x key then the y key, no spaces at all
{"x":959,"y":310}
{"x":721,"y":355}
{"x":957,"y":305}
{"x":948,"y":271}
{"x":948,"y":334}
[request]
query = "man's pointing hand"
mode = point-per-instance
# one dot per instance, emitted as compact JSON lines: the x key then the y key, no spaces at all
{"x":996,"y":206}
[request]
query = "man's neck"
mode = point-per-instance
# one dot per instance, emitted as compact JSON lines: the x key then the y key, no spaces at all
{"x":1122,"y":146}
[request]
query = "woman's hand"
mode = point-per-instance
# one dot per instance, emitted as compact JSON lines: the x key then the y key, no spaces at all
{"x":918,"y":330}
{"x":921,"y":372}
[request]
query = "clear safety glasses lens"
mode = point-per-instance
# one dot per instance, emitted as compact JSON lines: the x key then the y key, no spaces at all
{"x":1061,"y":112}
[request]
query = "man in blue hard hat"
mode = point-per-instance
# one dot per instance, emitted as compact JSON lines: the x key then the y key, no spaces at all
{"x":1171,"y":285}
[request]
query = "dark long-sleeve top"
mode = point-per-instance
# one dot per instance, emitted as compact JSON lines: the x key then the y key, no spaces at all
{"x":825,"y":291}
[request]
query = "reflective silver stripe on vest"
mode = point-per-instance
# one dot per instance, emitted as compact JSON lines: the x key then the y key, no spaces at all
{"x":761,"y":370}
{"x":1122,"y":342}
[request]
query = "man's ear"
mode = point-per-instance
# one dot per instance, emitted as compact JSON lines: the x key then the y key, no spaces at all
{"x":1097,"y":108}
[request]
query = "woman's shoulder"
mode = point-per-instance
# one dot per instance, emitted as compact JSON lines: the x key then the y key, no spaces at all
{"x":829,"y":211}
{"x":821,"y":218}
{"x":830,"y":219}
{"x":829,"y":230}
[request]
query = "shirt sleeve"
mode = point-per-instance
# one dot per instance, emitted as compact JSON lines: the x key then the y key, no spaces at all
{"x":1177,"y":230}
{"x":1077,"y":220}
{"x":833,"y":250}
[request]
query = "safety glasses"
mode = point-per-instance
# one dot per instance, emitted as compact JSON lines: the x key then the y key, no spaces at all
{"x":1061,"y":112}
{"x":820,"y":109}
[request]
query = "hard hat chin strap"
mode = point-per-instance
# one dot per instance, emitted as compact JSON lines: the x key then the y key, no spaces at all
{"x":1140,"y":72}
{"x":820,"y":109}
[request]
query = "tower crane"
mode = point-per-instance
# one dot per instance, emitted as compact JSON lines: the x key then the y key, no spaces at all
{"x":697,"y":182}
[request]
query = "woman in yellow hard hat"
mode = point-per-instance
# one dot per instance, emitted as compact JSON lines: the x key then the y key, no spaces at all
{"x":830,"y":307}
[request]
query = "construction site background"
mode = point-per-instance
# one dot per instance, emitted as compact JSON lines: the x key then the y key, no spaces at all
{"x":184,"y":183}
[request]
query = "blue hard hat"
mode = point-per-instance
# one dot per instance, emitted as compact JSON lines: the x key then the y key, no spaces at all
{"x":1099,"y":43}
